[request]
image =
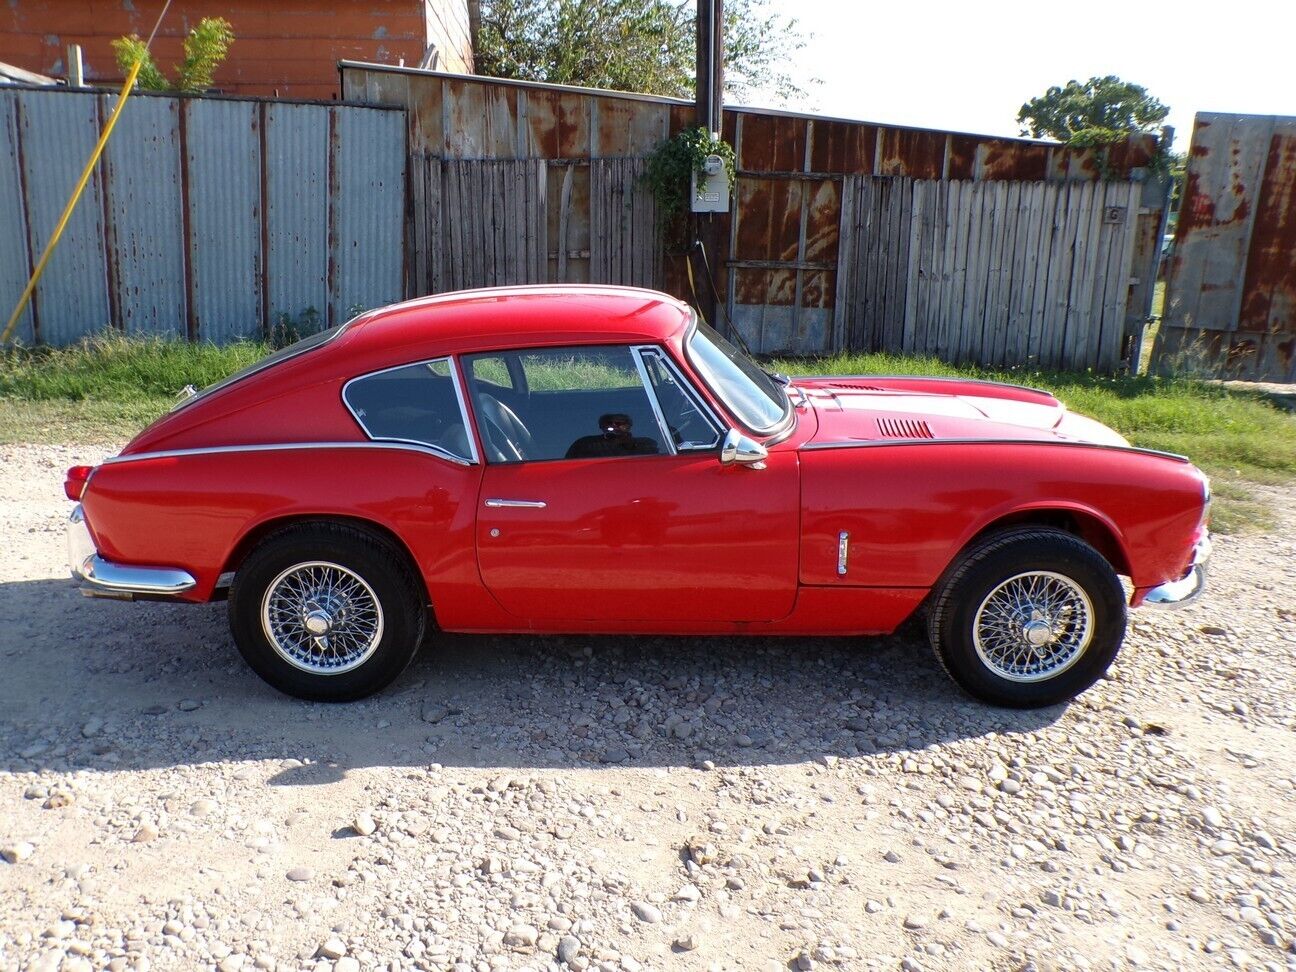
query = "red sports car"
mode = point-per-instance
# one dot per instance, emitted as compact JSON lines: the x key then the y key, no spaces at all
{"x":596,"y":459}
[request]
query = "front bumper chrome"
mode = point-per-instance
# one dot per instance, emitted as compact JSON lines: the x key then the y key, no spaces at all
{"x":102,"y":578}
{"x":1177,"y":594}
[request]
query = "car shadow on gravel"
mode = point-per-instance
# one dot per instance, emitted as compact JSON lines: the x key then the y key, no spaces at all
{"x":102,"y":685}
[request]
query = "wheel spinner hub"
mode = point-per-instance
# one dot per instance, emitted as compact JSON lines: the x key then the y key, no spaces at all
{"x":322,"y":618}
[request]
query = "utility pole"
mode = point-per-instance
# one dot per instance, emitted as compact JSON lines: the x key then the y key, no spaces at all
{"x":710,"y":116}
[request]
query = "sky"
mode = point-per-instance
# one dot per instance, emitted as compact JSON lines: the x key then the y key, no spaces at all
{"x":969,"y":66}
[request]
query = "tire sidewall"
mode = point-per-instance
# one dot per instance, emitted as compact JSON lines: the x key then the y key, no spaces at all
{"x":369,"y":560}
{"x":1064,"y":555}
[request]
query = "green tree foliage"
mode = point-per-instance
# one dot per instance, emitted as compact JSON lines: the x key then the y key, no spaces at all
{"x":205,"y":47}
{"x":633,"y":45}
{"x":1099,"y":111}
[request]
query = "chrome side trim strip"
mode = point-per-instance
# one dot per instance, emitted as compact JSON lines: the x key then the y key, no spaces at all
{"x":289,"y":446}
{"x":843,"y":552}
{"x":882,"y":444}
{"x":510,"y":504}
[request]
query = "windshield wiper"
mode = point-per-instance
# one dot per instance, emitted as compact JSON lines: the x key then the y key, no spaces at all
{"x":782,"y":379}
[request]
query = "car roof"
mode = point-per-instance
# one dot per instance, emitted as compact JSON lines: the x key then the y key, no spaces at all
{"x":503,"y":317}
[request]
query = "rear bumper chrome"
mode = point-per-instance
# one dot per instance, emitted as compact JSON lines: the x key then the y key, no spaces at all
{"x":102,"y":578}
{"x":1176,"y":594}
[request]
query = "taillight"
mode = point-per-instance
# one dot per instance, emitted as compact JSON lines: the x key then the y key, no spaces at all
{"x":75,"y":483}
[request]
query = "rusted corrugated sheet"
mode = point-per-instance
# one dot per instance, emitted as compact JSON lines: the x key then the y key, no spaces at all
{"x":297,"y":206}
{"x":367,"y":157}
{"x":1231,"y":286}
{"x":57,"y":135}
{"x":1269,"y":291}
{"x":145,"y":226}
{"x":15,"y":257}
{"x":223,"y":153}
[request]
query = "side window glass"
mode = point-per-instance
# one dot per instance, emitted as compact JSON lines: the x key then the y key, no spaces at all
{"x":580,"y":403}
{"x":416,"y":403}
{"x":491,"y":370}
{"x":687,"y":423}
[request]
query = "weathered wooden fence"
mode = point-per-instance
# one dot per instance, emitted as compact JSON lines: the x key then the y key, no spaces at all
{"x":1231,"y":287}
{"x":485,"y":222}
{"x":998,"y":273}
{"x":208,"y":217}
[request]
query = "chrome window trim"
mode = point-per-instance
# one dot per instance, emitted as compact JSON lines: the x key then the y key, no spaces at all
{"x":780,"y":430}
{"x":708,"y":414}
{"x":396,"y":444}
{"x":887,"y":443}
{"x":663,"y":428}
{"x":455,"y":381}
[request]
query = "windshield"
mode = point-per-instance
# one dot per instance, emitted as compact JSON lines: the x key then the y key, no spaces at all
{"x":756,"y":399}
{"x":309,"y":343}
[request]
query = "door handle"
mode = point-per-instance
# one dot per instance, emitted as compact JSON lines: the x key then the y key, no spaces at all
{"x":512,"y":504}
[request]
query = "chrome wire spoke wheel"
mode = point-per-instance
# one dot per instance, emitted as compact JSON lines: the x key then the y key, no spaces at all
{"x":322,"y":618}
{"x":1033,"y":626}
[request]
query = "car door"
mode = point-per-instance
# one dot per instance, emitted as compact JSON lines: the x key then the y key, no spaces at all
{"x":604,"y":501}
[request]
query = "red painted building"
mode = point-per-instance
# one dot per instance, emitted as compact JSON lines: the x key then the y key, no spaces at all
{"x":288,"y":48}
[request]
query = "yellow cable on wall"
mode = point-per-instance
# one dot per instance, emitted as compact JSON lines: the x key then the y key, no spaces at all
{"x":81,"y":184}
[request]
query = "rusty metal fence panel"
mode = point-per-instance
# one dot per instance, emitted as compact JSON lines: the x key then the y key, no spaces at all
{"x":15,"y":256}
{"x":209,"y":217}
{"x":1231,"y":285}
{"x":145,"y":218}
{"x":55,"y":137}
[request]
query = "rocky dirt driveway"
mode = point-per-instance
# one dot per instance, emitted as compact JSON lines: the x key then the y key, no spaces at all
{"x":635,"y":803}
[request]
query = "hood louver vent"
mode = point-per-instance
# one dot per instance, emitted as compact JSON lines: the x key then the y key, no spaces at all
{"x":856,"y":385}
{"x":892,"y":428}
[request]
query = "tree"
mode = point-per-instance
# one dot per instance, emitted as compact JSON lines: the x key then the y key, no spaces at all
{"x":205,"y":47}
{"x":1100,"y":111}
{"x":633,"y":45}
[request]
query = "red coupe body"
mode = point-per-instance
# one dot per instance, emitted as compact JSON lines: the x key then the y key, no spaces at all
{"x":862,"y":497}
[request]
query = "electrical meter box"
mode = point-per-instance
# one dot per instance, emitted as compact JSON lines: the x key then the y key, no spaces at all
{"x":710,"y":190}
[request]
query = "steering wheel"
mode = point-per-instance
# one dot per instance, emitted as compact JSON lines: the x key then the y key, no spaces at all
{"x":507,"y":438}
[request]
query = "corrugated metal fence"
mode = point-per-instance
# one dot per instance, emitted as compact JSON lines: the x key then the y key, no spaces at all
{"x":211,"y":218}
{"x":1231,"y":287}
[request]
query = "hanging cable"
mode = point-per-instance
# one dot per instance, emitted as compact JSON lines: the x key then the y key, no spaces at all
{"x":81,"y":183}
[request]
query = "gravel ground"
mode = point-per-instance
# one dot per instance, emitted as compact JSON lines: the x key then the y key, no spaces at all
{"x":636,"y":803}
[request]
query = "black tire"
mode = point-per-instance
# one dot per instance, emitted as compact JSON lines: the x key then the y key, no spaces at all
{"x":395,"y":603}
{"x":995,"y":561}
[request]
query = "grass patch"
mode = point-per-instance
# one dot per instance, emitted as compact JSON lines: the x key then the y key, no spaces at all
{"x":107,"y":389}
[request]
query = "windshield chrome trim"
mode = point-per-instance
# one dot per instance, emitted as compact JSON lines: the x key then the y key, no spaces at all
{"x":472,"y":460}
{"x":398,"y":444}
{"x":780,"y":430}
{"x":887,"y":443}
{"x":707,"y":412}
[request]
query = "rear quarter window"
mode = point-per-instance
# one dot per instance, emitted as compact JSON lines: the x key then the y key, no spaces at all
{"x":415,"y":403}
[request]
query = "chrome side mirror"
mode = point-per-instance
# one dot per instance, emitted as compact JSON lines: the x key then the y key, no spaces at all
{"x":738,"y":448}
